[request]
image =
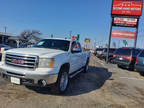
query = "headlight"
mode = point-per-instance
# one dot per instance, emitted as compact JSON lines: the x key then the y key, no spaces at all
{"x":46,"y":62}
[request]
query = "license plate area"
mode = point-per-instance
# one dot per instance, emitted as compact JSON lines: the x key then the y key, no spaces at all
{"x":15,"y":80}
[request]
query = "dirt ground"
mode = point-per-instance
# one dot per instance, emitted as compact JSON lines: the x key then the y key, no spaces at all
{"x":103,"y":86}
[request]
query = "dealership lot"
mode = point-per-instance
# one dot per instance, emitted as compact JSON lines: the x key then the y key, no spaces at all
{"x":104,"y":86}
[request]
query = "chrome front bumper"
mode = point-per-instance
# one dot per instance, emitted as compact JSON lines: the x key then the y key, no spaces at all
{"x":29,"y":79}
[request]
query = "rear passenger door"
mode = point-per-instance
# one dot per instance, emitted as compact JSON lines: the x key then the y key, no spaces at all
{"x":141,"y":59}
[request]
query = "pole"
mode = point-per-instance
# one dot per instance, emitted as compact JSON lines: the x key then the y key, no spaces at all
{"x":102,"y":40}
{"x":118,"y":43}
{"x":135,"y":42}
{"x":94,"y":43}
{"x":70,"y":34}
{"x":5,"y":29}
{"x":109,"y":42}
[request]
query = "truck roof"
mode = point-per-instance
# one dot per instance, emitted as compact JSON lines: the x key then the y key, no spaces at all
{"x":59,"y":39}
{"x":62,"y":39}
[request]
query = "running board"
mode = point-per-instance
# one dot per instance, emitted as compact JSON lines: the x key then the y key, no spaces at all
{"x":75,"y":73}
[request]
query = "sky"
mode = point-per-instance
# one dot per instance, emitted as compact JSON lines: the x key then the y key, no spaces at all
{"x":89,"y":18}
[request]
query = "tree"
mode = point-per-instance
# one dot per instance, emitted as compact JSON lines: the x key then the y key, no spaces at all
{"x":29,"y":36}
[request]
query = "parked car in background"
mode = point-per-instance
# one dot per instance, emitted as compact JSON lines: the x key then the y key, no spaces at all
{"x":139,"y":66}
{"x":126,"y":57}
{"x":91,"y":51}
{"x":111,"y":53}
{"x":98,"y":52}
{"x":3,"y":47}
{"x":25,"y":45}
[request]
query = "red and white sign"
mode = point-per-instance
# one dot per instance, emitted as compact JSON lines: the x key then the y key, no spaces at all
{"x":125,"y":21}
{"x":73,"y":38}
{"x":127,"y":7}
{"x":123,"y":34}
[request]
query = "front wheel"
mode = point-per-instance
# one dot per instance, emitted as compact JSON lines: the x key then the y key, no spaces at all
{"x":62,"y":82}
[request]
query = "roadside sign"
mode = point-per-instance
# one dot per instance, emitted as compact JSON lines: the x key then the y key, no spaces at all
{"x":126,"y":22}
{"x":123,"y":34}
{"x":87,"y":40}
{"x":78,"y":37}
{"x":73,"y":37}
{"x":125,"y":13}
{"x":127,"y":7}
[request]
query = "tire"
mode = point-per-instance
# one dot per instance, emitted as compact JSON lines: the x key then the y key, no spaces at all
{"x":86,"y":67}
{"x":141,"y":73}
{"x":119,"y":66}
{"x":62,"y":81}
{"x":131,"y":68}
{"x":111,"y":60}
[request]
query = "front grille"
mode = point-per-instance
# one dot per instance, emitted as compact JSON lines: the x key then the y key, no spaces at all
{"x":22,"y":61}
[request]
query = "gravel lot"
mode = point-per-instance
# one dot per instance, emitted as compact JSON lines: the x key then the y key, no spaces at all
{"x":104,"y":86}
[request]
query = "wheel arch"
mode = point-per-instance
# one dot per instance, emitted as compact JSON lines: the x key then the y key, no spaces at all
{"x":66,"y":66}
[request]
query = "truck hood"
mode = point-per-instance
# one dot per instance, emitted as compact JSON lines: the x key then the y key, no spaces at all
{"x":36,"y":51}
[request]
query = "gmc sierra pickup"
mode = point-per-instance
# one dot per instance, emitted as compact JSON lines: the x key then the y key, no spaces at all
{"x":49,"y":61}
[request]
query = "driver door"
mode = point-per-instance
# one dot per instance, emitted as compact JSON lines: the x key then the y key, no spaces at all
{"x":75,"y":58}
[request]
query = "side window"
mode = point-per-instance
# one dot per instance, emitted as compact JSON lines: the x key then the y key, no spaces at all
{"x":76,"y":48}
{"x":142,"y":54}
{"x":73,"y":45}
{"x":136,"y":52}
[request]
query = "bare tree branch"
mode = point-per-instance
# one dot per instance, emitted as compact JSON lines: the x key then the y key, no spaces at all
{"x":30,"y":35}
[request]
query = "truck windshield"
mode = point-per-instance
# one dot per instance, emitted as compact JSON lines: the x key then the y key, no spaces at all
{"x":53,"y":44}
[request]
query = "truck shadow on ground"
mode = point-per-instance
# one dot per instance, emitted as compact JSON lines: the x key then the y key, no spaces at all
{"x":82,"y":83}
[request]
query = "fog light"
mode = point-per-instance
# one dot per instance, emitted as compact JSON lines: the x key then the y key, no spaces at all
{"x":42,"y":83}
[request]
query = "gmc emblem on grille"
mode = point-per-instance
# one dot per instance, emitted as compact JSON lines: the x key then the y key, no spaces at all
{"x":17,"y":61}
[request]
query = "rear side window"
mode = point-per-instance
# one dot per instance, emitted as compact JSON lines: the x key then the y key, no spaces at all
{"x":123,"y":51}
{"x":99,"y":49}
{"x":136,"y":52}
{"x":110,"y":50}
{"x":141,"y":54}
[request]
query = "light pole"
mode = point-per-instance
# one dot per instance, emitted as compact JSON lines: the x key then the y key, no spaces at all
{"x":70,"y":34}
{"x":5,"y":30}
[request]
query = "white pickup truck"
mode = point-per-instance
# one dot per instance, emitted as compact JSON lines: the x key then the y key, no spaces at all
{"x":50,"y":61}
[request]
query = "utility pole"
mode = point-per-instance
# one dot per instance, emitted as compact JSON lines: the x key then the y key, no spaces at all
{"x":102,"y":40}
{"x":70,"y":34}
{"x":109,"y":42}
{"x":135,"y":41}
{"x":119,"y":44}
{"x":94,"y":43}
{"x":5,"y":30}
{"x":52,"y":36}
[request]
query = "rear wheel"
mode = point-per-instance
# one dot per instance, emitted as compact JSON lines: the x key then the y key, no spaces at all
{"x":131,"y":68}
{"x":62,"y":82}
{"x":119,"y":66}
{"x":111,"y":60}
{"x":141,"y":73}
